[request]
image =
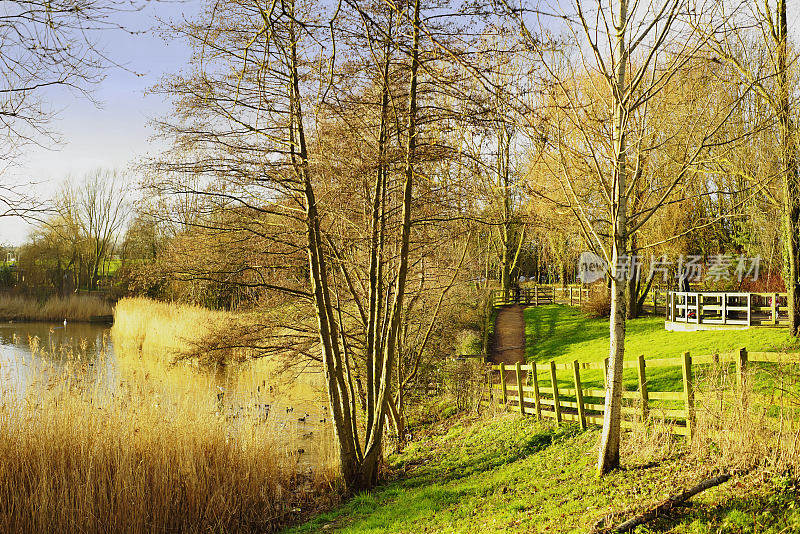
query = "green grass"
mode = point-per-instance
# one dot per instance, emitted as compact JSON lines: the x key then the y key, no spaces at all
{"x":516,"y":475}
{"x":771,"y":508}
{"x":564,"y":334}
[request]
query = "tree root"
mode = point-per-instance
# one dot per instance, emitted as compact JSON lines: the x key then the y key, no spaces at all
{"x":669,"y":503}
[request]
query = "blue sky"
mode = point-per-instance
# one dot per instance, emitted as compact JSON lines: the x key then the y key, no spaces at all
{"x":117,"y":133}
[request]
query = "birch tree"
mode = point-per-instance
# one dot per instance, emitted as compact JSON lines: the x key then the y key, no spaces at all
{"x":605,"y":147}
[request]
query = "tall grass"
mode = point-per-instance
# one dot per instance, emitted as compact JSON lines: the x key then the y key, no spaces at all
{"x":55,"y":309}
{"x":145,"y":453}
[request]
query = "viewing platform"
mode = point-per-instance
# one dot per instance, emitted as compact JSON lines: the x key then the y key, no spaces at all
{"x":711,"y":310}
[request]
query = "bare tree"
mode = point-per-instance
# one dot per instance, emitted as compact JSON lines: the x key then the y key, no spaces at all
{"x":46,"y":45}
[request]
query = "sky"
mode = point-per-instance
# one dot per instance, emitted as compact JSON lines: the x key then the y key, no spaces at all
{"x":116,"y":134}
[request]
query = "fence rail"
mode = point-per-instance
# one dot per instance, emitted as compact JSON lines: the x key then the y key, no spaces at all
{"x":521,"y":387}
{"x":540,"y":296}
{"x":723,"y":308}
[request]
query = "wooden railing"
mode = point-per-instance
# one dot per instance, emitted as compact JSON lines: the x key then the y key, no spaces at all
{"x":540,"y":296}
{"x":522,"y":388}
{"x":747,"y":309}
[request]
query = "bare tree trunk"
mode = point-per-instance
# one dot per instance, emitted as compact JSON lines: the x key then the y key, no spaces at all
{"x":791,"y":188}
{"x":609,"y":445}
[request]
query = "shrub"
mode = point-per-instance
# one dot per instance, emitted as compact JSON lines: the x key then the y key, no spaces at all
{"x":598,"y":304}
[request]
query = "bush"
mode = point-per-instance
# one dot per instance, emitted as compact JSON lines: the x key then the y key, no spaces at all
{"x":598,"y":304}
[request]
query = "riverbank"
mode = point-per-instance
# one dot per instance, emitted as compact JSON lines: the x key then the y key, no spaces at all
{"x":77,"y":308}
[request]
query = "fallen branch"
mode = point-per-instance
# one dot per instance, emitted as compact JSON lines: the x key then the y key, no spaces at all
{"x":670,"y":503}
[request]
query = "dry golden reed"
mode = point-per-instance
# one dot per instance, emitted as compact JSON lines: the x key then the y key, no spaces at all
{"x":149,"y":447}
{"x":55,"y":309}
{"x":161,"y":330}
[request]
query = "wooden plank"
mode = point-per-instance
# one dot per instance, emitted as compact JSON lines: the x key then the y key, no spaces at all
{"x":595,"y":419}
{"x":600,"y":393}
{"x":688,"y":391}
{"x":503,"y":382}
{"x":536,"y":395}
{"x":518,"y":372}
{"x":642,"y":385}
{"x":774,"y":357}
{"x":594,"y":407}
{"x":664,"y":362}
{"x":576,"y":370}
{"x":665,"y":395}
{"x":662,"y":413}
{"x":554,"y":381}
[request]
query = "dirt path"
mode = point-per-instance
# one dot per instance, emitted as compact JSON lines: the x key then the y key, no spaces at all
{"x":509,"y":338}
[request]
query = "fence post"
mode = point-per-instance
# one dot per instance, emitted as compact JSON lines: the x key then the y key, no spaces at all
{"x":536,"y":295}
{"x":576,"y":368}
{"x":749,"y":310}
{"x":556,"y":402}
{"x":570,"y":295}
{"x":605,"y":373}
{"x":503,"y":382}
{"x":536,"y":397}
{"x":643,"y":386}
{"x":724,"y":308}
{"x":699,"y":303}
{"x":688,"y":394}
{"x":741,"y":374}
{"x":489,"y":382}
{"x":774,"y":308}
{"x":519,"y":389}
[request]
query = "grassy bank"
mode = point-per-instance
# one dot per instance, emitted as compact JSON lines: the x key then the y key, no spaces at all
{"x":145,"y":449}
{"x":54,"y":309}
{"x":516,"y":475}
{"x":564,"y":334}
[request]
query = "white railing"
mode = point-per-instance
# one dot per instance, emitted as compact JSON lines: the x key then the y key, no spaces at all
{"x":726,"y":308}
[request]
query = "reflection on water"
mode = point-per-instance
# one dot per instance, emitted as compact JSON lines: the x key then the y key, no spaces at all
{"x":29,"y":351}
{"x":292,"y":406}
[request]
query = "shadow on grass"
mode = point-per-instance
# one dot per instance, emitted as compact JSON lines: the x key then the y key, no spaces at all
{"x":441,"y":475}
{"x":774,"y":509}
{"x":479,"y":453}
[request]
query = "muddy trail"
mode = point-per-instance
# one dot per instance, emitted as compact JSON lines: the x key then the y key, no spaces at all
{"x":509,"y":339}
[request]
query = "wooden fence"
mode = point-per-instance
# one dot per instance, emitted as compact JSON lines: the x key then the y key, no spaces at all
{"x":722,"y":308}
{"x":546,"y":398}
{"x":540,"y":296}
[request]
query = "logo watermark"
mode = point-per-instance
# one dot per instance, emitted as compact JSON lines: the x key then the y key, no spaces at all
{"x":591,"y":267}
{"x":692,"y":267}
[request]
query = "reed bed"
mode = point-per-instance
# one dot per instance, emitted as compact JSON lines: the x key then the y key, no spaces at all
{"x":162,"y":330}
{"x":54,"y":309}
{"x":142,"y":452}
